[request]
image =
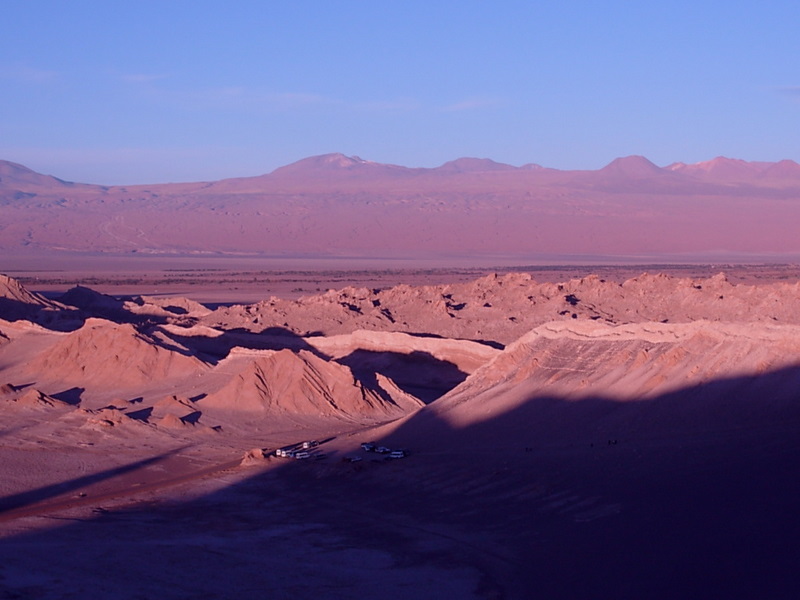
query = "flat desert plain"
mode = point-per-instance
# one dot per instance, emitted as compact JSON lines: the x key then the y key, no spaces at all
{"x":554,"y":432}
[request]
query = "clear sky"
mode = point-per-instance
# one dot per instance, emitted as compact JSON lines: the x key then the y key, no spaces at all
{"x":141,"y":91}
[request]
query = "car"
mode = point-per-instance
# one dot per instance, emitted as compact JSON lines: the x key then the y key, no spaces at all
{"x":383,"y":450}
{"x":397,"y":454}
{"x":310,"y":444}
{"x":353,"y":459}
{"x":368,"y":446}
{"x":301,"y":455}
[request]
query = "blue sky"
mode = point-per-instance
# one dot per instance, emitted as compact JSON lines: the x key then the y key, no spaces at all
{"x":145,"y":92}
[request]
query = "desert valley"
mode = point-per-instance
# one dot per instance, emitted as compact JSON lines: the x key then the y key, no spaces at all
{"x":345,"y":379}
{"x":586,"y":438}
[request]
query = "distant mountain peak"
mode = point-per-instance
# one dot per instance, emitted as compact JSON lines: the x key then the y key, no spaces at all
{"x":532,"y":167}
{"x":338,"y":159}
{"x":473,"y":165}
{"x":334,"y":160}
{"x":722,"y":162}
{"x":723,"y":168}
{"x":631,"y":166}
{"x":333,"y":164}
{"x":11,"y":168}
{"x":783,"y":169}
{"x":14,"y":174}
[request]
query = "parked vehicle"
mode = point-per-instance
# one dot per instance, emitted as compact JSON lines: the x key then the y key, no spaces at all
{"x":310,"y":444}
{"x":383,"y":450}
{"x":301,"y":455}
{"x":397,"y":454}
{"x":368,"y":446}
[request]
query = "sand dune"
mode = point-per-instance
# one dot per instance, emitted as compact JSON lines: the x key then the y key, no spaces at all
{"x":16,"y":302}
{"x":284,"y":382}
{"x":30,"y":397}
{"x":584,"y":360}
{"x":174,"y":406}
{"x":112,"y":356}
{"x":10,"y":289}
{"x":465,"y":354}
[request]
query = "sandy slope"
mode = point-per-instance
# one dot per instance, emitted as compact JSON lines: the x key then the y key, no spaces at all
{"x":283,"y":382}
{"x":582,"y":360}
{"x":106,"y":355}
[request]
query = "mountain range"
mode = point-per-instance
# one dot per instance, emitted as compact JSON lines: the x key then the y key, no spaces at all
{"x":340,"y":206}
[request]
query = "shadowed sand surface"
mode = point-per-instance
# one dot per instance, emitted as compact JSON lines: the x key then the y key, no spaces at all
{"x":617,"y":434}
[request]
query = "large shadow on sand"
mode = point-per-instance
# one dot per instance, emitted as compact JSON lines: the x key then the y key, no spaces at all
{"x":83,"y":303}
{"x":215,"y":349}
{"x":418,"y":373}
{"x":68,"y":319}
{"x":16,"y":502}
{"x":692,"y":494}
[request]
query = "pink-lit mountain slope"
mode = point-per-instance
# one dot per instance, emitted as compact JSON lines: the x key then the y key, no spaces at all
{"x":334,"y":205}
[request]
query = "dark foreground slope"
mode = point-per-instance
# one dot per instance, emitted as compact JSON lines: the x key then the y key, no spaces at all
{"x":655,"y":514}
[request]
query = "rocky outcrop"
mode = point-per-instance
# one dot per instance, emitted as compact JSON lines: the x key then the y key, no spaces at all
{"x":286,"y":383}
{"x":102,"y":354}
